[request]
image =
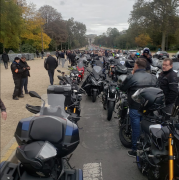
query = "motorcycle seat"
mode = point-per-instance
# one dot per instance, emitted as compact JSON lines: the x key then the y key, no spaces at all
{"x":47,"y":129}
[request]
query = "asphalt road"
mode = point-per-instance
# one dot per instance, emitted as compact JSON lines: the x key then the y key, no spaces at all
{"x":100,"y":153}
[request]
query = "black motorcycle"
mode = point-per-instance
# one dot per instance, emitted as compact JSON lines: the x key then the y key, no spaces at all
{"x":44,"y":144}
{"x":93,"y":85}
{"x":109,"y":98}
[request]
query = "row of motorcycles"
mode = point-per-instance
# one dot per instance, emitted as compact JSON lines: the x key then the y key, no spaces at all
{"x":47,"y":139}
{"x":158,"y":145}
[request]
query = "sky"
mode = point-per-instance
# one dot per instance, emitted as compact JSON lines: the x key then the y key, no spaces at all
{"x":97,"y":15}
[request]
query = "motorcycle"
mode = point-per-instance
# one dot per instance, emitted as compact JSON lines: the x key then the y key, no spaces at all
{"x":81,"y":69}
{"x":109,"y":98}
{"x":93,"y":85}
{"x":44,"y":142}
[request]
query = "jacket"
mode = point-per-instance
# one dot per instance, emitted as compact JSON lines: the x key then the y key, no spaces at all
{"x":5,"y":57}
{"x":2,"y":106}
{"x":168,"y":82}
{"x":26,"y":72}
{"x":149,"y":62}
{"x":17,"y":70}
{"x":140,"y":79}
{"x":50,"y":63}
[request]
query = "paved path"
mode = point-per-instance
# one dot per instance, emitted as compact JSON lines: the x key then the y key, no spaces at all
{"x":39,"y":81}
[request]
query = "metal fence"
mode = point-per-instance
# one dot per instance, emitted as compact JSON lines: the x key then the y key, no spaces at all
{"x":29,"y":56}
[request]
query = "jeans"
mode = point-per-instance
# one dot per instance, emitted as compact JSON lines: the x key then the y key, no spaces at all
{"x":6,"y":65}
{"x":59,"y":60}
{"x":51,"y":75}
{"x":24,"y":82}
{"x":135,"y":119}
{"x":42,"y":56}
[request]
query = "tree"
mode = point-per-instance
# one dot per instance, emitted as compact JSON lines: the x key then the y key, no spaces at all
{"x":11,"y":24}
{"x":156,"y":15}
{"x":142,"y":40}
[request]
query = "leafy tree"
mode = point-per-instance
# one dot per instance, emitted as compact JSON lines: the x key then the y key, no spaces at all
{"x":11,"y":24}
{"x":142,"y":40}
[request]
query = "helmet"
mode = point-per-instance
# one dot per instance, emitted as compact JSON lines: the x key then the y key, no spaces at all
{"x":137,"y":54}
{"x":150,"y":99}
{"x":117,"y":56}
{"x":146,"y":50}
{"x":37,"y":158}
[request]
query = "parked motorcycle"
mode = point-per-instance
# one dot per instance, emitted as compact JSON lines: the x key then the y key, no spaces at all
{"x":110,"y":98}
{"x":93,"y":85}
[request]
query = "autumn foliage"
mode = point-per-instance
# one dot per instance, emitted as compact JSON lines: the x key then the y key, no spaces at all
{"x":143,"y":40}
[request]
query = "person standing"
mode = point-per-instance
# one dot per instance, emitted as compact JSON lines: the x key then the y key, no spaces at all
{"x":17,"y":71}
{"x":37,"y":53}
{"x":3,"y":110}
{"x":59,"y":57}
{"x":42,"y":53}
{"x":50,"y":65}
{"x":63,"y":58}
{"x":25,"y":74}
{"x":146,"y":55}
{"x":138,"y":79}
{"x":72,"y":56}
{"x":168,"y":82}
{"x":57,"y":54}
{"x":5,"y":59}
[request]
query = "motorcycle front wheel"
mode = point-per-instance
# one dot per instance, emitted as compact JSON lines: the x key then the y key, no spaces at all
{"x":110,"y":110}
{"x":94,"y":96}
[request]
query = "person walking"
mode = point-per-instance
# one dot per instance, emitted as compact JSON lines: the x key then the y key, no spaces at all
{"x":168,"y":82}
{"x":59,"y":57}
{"x":57,"y":54}
{"x":50,"y":65}
{"x":3,"y":110}
{"x":63,"y":58}
{"x":5,"y":59}
{"x":17,"y":71}
{"x":42,"y":53}
{"x":25,"y":74}
{"x":138,"y":79}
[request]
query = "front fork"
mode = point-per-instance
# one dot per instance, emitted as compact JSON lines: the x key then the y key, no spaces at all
{"x":171,"y":157}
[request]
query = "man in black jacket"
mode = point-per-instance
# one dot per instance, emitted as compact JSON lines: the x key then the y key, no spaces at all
{"x":168,"y":82}
{"x":138,"y":79}
{"x":5,"y":59}
{"x":17,"y":71}
{"x":50,"y":65}
{"x":146,"y":55}
{"x":25,"y":74}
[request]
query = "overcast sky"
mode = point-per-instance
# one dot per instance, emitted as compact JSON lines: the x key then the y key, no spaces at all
{"x":98,"y":15}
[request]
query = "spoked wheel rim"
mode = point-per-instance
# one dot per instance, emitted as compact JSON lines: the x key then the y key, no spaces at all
{"x":126,"y":136}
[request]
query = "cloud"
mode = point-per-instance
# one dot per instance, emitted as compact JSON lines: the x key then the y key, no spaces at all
{"x":98,"y":15}
{"x":62,"y":3}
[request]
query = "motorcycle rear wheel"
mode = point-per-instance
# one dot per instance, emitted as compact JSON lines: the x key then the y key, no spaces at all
{"x":110,"y":110}
{"x":125,"y":140}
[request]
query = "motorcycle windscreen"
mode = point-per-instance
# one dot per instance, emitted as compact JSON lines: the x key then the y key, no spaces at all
{"x":97,"y":70}
{"x":46,"y":152}
{"x":80,"y":63}
{"x":53,"y":105}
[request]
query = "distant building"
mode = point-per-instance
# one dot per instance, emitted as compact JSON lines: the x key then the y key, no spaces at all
{"x":91,"y":38}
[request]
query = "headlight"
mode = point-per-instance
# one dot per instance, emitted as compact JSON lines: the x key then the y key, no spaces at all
{"x":72,"y":74}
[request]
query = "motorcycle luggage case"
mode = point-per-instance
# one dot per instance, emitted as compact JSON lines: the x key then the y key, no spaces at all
{"x":61,"y":89}
{"x":63,"y":134}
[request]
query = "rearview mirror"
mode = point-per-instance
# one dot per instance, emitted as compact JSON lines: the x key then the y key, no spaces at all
{"x":34,"y":94}
{"x":173,"y":56}
{"x":60,"y":78}
{"x":59,"y":71}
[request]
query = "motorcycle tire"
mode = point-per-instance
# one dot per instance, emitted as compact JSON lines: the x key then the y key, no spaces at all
{"x":110,"y":110}
{"x":94,"y":96}
{"x":126,"y":143}
{"x":139,"y":165}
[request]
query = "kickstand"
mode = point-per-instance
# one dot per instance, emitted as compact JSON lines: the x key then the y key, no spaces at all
{"x":79,"y":127}
{"x":68,"y":159}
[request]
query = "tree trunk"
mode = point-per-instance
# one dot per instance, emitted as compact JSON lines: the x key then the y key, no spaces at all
{"x":163,"y":40}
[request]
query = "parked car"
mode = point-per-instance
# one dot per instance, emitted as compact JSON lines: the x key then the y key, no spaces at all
{"x":161,"y":55}
{"x":132,"y":51}
{"x":176,"y":55}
